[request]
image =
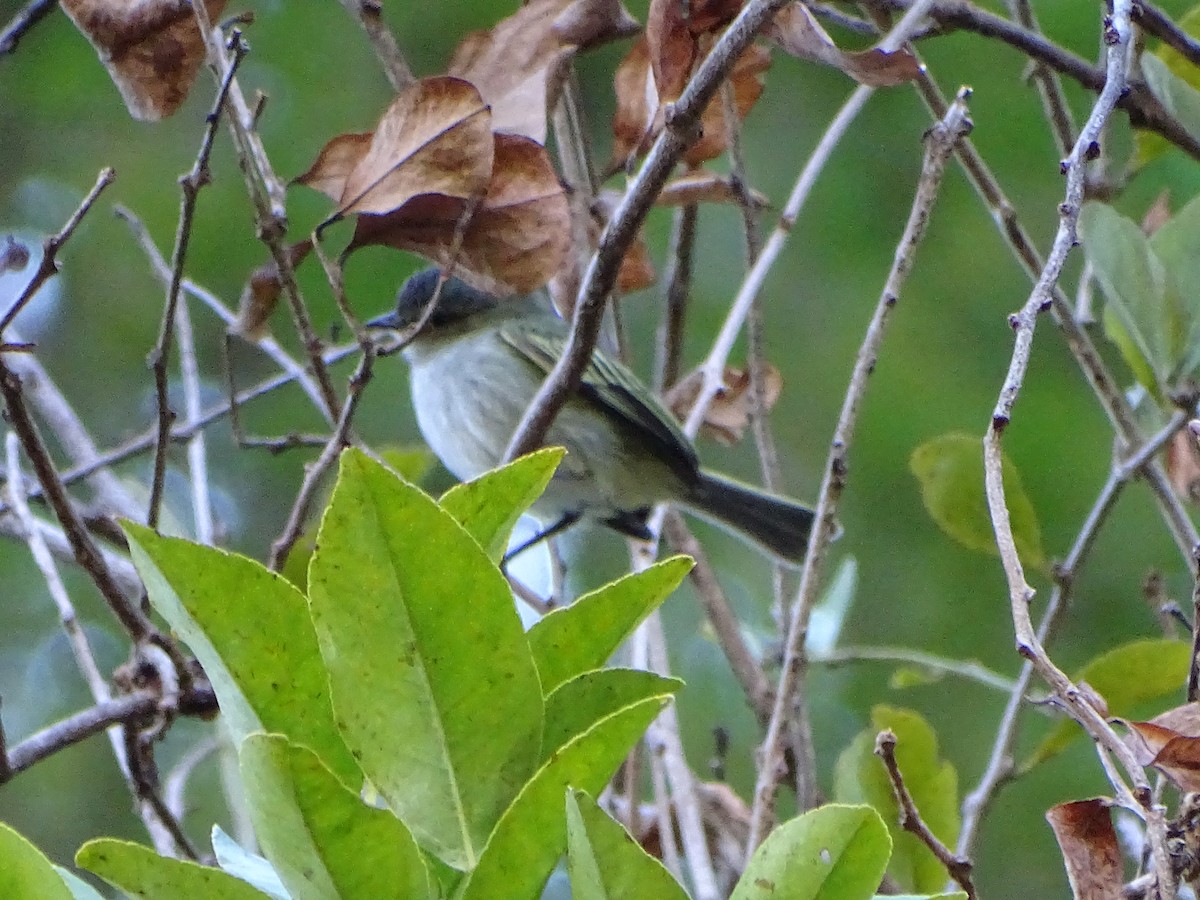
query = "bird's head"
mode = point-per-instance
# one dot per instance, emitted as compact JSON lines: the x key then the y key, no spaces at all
{"x":458,"y":302}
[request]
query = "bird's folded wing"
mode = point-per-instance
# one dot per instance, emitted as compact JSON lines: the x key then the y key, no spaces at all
{"x":614,"y":388}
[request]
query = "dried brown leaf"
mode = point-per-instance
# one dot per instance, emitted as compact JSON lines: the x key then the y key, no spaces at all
{"x":729,"y":413}
{"x":1158,"y":214}
{"x":588,"y":23}
{"x":1089,"y":847}
{"x":1183,"y":464}
{"x":519,"y":64}
{"x":1171,"y":743}
{"x":152,"y":49}
{"x":701,"y":186}
{"x":435,"y":138}
{"x":747,"y":88}
{"x":637,"y":269}
{"x":638,"y":117}
{"x":637,"y":105}
{"x":261,"y":294}
{"x":335,"y":162}
{"x":515,"y":241}
{"x":796,"y":30}
{"x":673,"y":47}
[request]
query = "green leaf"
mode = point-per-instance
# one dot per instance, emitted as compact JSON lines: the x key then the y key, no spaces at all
{"x":488,"y":506}
{"x":950,"y":470}
{"x":1125,"y":676}
{"x":322,"y":839}
{"x":141,"y":872}
{"x":1172,"y":80}
{"x":251,"y":868}
{"x":830,"y":853}
{"x":433,"y":684}
{"x":576,"y":705}
{"x":411,"y":462}
{"x":251,"y":631}
{"x":1177,"y":246}
{"x":859,"y":777}
{"x":1135,"y":286}
{"x":25,"y":873}
{"x":606,"y":863}
{"x":532,"y":833}
{"x":581,"y":637}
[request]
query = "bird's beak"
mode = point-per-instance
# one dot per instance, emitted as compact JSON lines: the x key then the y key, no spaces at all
{"x":387,"y":320}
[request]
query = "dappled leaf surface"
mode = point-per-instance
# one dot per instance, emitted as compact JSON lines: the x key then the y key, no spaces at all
{"x":140,"y":872}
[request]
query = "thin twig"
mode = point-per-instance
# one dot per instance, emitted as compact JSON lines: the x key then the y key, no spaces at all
{"x":1054,"y":102}
{"x":1193,"y":682}
{"x":190,"y":185}
{"x":959,"y":867}
{"x":968,"y":669}
{"x":679,"y":131}
{"x":48,"y":265}
{"x":939,"y":144}
{"x":87,"y":553}
{"x":1162,"y":26}
{"x":1138,"y":102}
{"x":20,"y":24}
{"x":316,"y":471}
{"x":679,"y":288}
{"x":370,"y":15}
{"x":1119,"y":37}
{"x":266,"y":344}
{"x":80,"y":727}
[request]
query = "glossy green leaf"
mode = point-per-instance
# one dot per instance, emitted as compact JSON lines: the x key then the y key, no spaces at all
{"x":408,"y":609}
{"x":251,"y":630}
{"x":829,"y":853}
{"x":581,"y":637}
{"x":251,"y":868}
{"x":140,"y":872}
{"x":532,"y":834}
{"x":1125,"y":676}
{"x":606,"y":863}
{"x":950,"y":470}
{"x":25,"y":872}
{"x":576,"y":705}
{"x":1172,"y":78}
{"x":859,"y":777}
{"x":488,"y":506}
{"x":325,"y":843}
{"x":1135,"y":286}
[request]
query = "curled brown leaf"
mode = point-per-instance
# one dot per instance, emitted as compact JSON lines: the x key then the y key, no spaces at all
{"x":261,"y":294}
{"x":796,"y":31}
{"x":1089,"y":847}
{"x":152,"y":49}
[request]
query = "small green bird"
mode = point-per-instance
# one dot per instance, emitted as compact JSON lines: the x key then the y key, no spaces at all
{"x":477,"y":365}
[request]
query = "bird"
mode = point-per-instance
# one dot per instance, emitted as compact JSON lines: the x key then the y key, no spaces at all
{"x":477,"y":363}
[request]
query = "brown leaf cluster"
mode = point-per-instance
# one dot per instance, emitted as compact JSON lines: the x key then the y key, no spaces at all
{"x":728,"y":415}
{"x":435,"y":178}
{"x":1183,"y":464}
{"x":152,"y":49}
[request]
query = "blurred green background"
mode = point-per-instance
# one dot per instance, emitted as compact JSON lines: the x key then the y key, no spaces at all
{"x":943,"y":360}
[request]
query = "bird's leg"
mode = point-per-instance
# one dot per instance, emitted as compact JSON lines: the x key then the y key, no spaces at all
{"x":565,"y":522}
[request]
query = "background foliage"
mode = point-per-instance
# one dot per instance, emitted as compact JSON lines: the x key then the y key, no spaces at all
{"x":61,"y":121}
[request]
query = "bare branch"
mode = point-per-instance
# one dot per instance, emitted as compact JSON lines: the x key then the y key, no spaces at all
{"x":940,"y":143}
{"x":48,"y":267}
{"x":679,"y":132}
{"x":28,"y":16}
{"x":1162,"y":26}
{"x":370,"y":15}
{"x":191,"y":184}
{"x":959,"y":867}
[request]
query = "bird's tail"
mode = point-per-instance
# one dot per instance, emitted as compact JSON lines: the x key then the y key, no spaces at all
{"x":777,"y":523}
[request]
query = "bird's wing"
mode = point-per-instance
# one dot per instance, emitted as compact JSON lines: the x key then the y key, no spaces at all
{"x":611,"y":386}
